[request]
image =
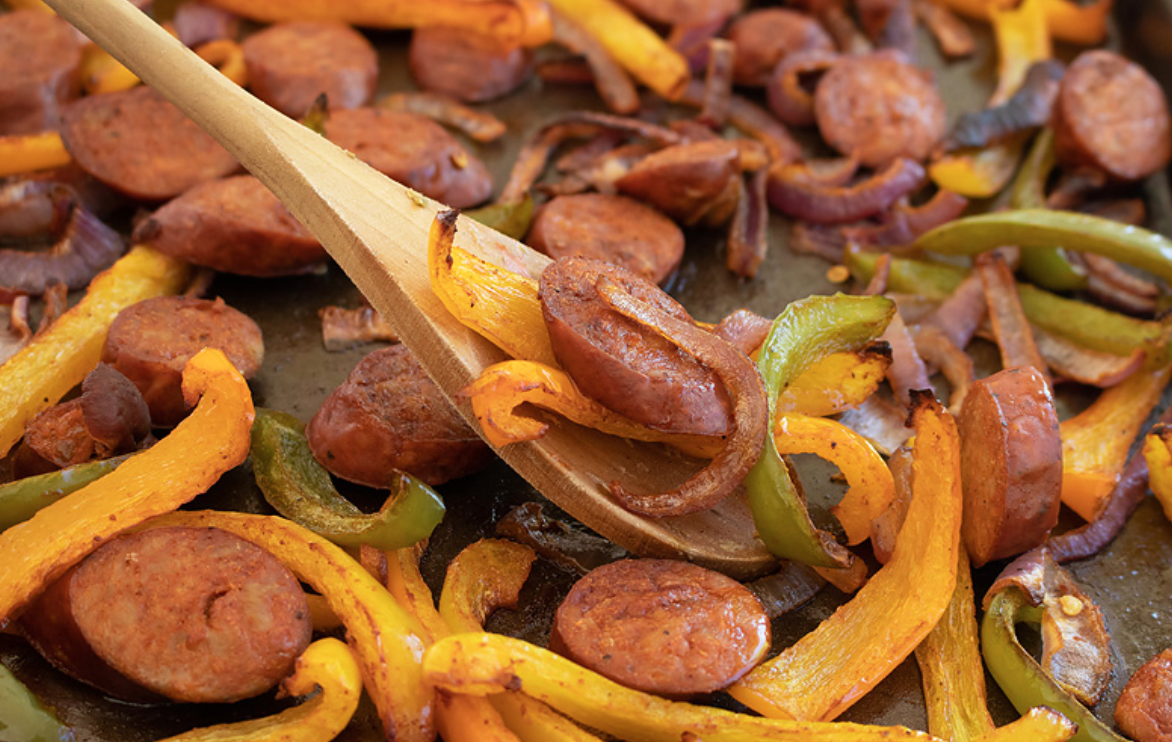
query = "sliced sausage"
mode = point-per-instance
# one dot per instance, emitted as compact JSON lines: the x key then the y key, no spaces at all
{"x":196,"y":615}
{"x":615,"y":229}
{"x":1011,"y":464}
{"x":684,"y":12}
{"x":390,"y":415}
{"x":413,"y":150}
{"x":40,"y":55}
{"x":879,"y":107}
{"x":233,"y":225}
{"x":138,"y":143}
{"x":630,"y":369}
{"x":689,"y":182}
{"x":150,"y":342}
{"x":472,"y":67}
{"x":291,"y":64}
{"x":1144,"y":709}
{"x":197,"y":23}
{"x":54,"y":439}
{"x":1111,"y":114}
{"x":764,"y":37}
{"x":662,"y":626}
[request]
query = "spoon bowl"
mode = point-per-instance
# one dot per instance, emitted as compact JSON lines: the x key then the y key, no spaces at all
{"x":376,"y":230}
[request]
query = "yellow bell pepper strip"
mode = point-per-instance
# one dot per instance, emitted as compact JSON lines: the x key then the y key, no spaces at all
{"x":837,"y":382}
{"x":808,"y":330}
{"x":1085,"y":324}
{"x":209,"y":442}
{"x":26,"y":153}
{"x":1095,"y":441}
{"x":1039,"y":724}
{"x":513,"y":22}
{"x":40,"y":374}
{"x":508,"y":217}
{"x":871,"y":487}
{"x":228,"y":57}
{"x":503,"y":387}
{"x":387,"y":640}
{"x":835,"y":665}
{"x":1066,"y":20}
{"x":21,"y":499}
{"x":1157,"y":452}
{"x":23,"y":718}
{"x":640,"y":51}
{"x":950,"y":665}
{"x":301,"y":489}
{"x":1020,"y":676}
{"x":497,"y":303}
{"x":1022,"y":39}
{"x":327,"y":665}
{"x":1043,"y":228}
{"x":481,"y":664}
{"x":1047,"y":267}
{"x":101,"y":73}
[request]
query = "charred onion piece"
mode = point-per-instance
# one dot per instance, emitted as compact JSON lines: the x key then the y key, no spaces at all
{"x":792,"y":193}
{"x":479,"y":125}
{"x":728,"y":469}
{"x":1028,"y":108}
{"x":87,"y":248}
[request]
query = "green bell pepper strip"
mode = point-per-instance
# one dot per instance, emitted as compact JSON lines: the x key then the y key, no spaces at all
{"x":807,"y":331}
{"x":1046,"y":266}
{"x":23,"y":718}
{"x":300,"y":489}
{"x":1020,"y":676}
{"x":21,"y":499}
{"x":1031,"y":229}
{"x":1085,"y":324}
{"x":512,"y":218}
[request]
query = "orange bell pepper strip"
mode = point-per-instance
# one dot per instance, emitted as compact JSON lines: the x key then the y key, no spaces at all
{"x":228,"y":57}
{"x":837,"y":382}
{"x":833,"y":666}
{"x":1158,"y":453}
{"x":29,"y":4}
{"x":481,"y":664}
{"x":387,"y":640}
{"x":101,"y":73}
{"x":1095,"y":441}
{"x":27,"y":153}
{"x":503,"y":387}
{"x":211,"y":440}
{"x":1065,"y":20}
{"x":327,"y":665}
{"x":40,"y":374}
{"x":1039,"y":724}
{"x":1022,"y":39}
{"x":871,"y":487}
{"x":497,"y":303}
{"x":640,"y":51}
{"x":951,"y":667}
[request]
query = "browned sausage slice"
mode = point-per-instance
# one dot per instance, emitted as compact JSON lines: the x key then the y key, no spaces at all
{"x":413,"y":150}
{"x":390,"y":415}
{"x":878,"y":107}
{"x":150,"y":342}
{"x":662,"y":626}
{"x":40,"y":55}
{"x":764,"y":37}
{"x":691,"y":182}
{"x":1011,"y":464}
{"x":191,"y":614}
{"x":291,"y":64}
{"x":615,"y":229}
{"x":684,"y":12}
{"x":1111,"y":114}
{"x":469,"y":66}
{"x":234,"y":225}
{"x":630,"y":369}
{"x":1144,"y":709}
{"x":138,"y":143}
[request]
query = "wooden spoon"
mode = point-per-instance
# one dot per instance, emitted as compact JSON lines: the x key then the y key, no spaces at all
{"x":376,"y":230}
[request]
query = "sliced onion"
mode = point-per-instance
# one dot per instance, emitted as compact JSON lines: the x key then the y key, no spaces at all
{"x":791,"y":193}
{"x":962,"y":313}
{"x":33,"y":208}
{"x":342,"y":329}
{"x":478,"y":125}
{"x":824,"y":240}
{"x":747,"y":238}
{"x":199,"y":23}
{"x":904,"y":223}
{"x":1074,"y":187}
{"x":15,"y":332}
{"x":613,"y":83}
{"x":880,"y":421}
{"x":892,"y":24}
{"x":934,"y":346}
{"x":790,"y":87}
{"x":729,"y":468}
{"x":718,"y":82}
{"x":952,"y":35}
{"x":1026,"y":109}
{"x":86,"y":248}
{"x":1010,"y":326}
{"x":753,"y":120}
{"x":907,"y":370}
{"x":1076,"y":363}
{"x":787,"y":589}
{"x":1111,"y":272}
{"x":565,"y":72}
{"x":691,"y":41}
{"x":744,"y":330}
